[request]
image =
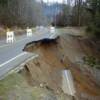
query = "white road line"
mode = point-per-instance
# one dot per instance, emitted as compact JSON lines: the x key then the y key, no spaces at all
{"x":53,"y":35}
{"x":21,"y":54}
{"x":21,"y":65}
{"x":65,"y":72}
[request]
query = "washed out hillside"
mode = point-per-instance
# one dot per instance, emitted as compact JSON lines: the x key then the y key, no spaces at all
{"x":49,"y":50}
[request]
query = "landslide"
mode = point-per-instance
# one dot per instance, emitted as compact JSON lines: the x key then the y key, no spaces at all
{"x":56,"y":55}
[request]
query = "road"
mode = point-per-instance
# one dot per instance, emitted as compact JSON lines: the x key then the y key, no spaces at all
{"x":12,"y":55}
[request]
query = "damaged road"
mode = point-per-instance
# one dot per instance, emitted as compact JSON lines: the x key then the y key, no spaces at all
{"x":56,"y":56}
{"x":50,"y":71}
{"x":12,"y":55}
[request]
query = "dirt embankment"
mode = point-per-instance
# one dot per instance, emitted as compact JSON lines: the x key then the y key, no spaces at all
{"x":54,"y":57}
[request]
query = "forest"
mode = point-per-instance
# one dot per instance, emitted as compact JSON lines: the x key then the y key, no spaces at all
{"x":22,"y":13}
{"x":81,"y":13}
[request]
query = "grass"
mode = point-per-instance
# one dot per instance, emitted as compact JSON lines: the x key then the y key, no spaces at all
{"x":77,"y":31}
{"x":15,"y":87}
{"x":9,"y":82}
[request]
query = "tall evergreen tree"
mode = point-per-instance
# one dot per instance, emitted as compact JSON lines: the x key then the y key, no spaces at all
{"x":94,"y":9}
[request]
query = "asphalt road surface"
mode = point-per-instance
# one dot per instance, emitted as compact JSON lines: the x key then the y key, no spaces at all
{"x":12,"y":55}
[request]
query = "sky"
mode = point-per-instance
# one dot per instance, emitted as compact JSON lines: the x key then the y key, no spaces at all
{"x":53,"y":1}
{"x":58,"y":1}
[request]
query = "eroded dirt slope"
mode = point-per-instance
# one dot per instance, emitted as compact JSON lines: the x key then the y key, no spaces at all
{"x":54,"y":57}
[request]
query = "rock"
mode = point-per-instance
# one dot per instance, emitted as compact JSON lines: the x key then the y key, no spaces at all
{"x":41,"y":85}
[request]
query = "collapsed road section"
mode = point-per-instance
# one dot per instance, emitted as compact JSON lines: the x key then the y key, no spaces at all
{"x":12,"y":55}
{"x":54,"y":58}
{"x":48,"y":69}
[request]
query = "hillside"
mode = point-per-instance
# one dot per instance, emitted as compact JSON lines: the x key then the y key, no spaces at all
{"x":41,"y":78}
{"x":66,"y":53}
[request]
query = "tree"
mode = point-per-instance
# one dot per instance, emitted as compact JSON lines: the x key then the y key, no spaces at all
{"x":77,"y":12}
{"x":21,"y":13}
{"x":93,"y":7}
{"x":64,"y":17}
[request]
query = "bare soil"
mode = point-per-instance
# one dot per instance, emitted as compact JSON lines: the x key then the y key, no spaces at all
{"x":67,"y":53}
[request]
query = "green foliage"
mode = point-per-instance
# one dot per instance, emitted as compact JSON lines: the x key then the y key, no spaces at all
{"x":63,"y":18}
{"x":92,"y":61}
{"x":94,"y":24}
{"x":9,"y":82}
{"x":3,"y":2}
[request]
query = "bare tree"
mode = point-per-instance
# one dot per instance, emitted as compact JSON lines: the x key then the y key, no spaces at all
{"x":21,"y":12}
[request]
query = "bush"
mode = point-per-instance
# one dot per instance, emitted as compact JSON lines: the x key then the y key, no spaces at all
{"x":94,"y":24}
{"x":92,"y":61}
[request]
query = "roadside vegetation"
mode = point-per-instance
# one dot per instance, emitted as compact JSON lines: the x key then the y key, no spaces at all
{"x":92,"y":61}
{"x":16,"y":87}
{"x":10,"y":83}
{"x":82,"y":13}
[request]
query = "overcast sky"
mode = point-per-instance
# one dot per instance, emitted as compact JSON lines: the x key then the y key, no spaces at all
{"x":53,"y":1}
{"x":58,"y":1}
